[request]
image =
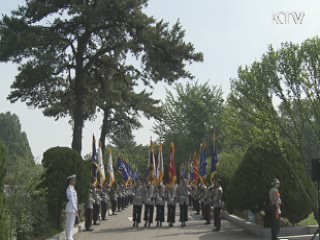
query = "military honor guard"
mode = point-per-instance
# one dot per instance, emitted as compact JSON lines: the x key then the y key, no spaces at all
{"x":96,"y":207}
{"x":217,"y":204}
{"x":171,"y":204}
{"x":183,"y":198}
{"x":89,"y":212}
{"x":138,"y":198}
{"x":104,"y":204}
{"x":149,"y":204}
{"x":72,"y":206}
{"x":160,"y":203}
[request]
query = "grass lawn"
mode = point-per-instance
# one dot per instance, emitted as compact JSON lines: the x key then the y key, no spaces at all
{"x":308,"y":221}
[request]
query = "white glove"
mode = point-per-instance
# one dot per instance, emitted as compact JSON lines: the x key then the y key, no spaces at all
{"x":278,"y":211}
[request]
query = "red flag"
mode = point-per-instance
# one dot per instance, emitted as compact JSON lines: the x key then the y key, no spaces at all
{"x":172,"y":168}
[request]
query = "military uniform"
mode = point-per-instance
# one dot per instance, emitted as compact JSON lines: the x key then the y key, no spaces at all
{"x":89,"y":213}
{"x":217,"y":196}
{"x":96,"y":209}
{"x":160,"y":203}
{"x":138,"y":198}
{"x":71,"y":208}
{"x":207,"y":201}
{"x":114,"y":199}
{"x":196,"y":199}
{"x":183,"y":198}
{"x":149,"y":205}
{"x":104,"y":204}
{"x":275,"y":201}
{"x":171,"y":204}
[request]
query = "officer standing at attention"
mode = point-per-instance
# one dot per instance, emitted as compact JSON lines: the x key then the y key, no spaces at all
{"x":275,"y":202}
{"x":72,"y":206}
{"x":89,"y":212}
{"x":183,"y":198}
{"x":217,"y":197}
{"x":149,"y":204}
{"x":138,"y":196}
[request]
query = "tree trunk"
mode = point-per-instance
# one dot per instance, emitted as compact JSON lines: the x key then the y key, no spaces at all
{"x":77,"y":132}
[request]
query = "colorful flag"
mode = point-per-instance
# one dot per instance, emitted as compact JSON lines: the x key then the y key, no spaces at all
{"x":94,"y":168}
{"x":191,"y":171}
{"x":214,"y":161}
{"x":195,"y":168}
{"x":172,"y":167}
{"x":100,"y":165}
{"x":161,"y":168}
{"x":151,"y":164}
{"x":110,"y":169}
{"x":203,"y":162}
{"x":123,"y":170}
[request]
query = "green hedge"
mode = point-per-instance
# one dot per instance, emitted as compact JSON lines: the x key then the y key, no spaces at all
{"x":249,"y":187}
{"x":59,"y":163}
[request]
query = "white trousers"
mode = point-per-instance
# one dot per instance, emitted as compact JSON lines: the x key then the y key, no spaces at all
{"x":70,"y":219}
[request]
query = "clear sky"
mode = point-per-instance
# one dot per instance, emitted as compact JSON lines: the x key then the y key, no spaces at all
{"x":229,"y":33}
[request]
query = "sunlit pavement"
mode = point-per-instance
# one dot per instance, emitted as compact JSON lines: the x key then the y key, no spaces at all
{"x":120,"y":227}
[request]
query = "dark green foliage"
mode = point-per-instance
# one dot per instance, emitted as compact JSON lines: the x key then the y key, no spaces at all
{"x":3,"y":169}
{"x":64,"y":61}
{"x":190,"y":118}
{"x":14,"y":140}
{"x":250,"y":185}
{"x":59,"y":163}
{"x":228,"y":164}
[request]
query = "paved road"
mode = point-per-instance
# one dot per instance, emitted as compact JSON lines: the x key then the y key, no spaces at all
{"x":120,"y":227}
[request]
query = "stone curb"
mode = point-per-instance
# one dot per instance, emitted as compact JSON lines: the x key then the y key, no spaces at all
{"x":265,"y":233}
{"x":62,"y":235}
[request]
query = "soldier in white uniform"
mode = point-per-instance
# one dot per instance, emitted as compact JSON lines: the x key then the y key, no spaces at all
{"x":72,"y":206}
{"x":138,"y":198}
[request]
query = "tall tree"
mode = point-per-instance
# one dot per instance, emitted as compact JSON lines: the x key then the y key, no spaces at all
{"x":289,"y":76}
{"x":15,"y":140}
{"x":190,"y":117}
{"x":58,"y":45}
{"x":3,"y":168}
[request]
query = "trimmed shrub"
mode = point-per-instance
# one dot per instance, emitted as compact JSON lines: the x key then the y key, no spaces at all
{"x":250,"y":185}
{"x":59,"y":163}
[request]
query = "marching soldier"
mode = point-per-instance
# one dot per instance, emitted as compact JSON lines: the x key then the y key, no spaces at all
{"x":149,"y":204}
{"x":119,"y":200}
{"x":217,"y":196}
{"x":138,"y":196}
{"x":171,"y":204}
{"x":196,"y":199}
{"x":207,"y":199}
{"x":89,"y":212}
{"x":160,"y":202}
{"x":114,"y":199}
{"x":183,"y":198}
{"x":72,"y":206}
